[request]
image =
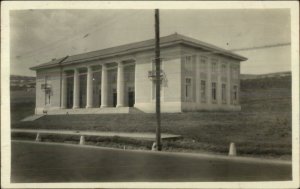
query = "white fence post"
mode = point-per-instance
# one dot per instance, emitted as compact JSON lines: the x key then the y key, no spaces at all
{"x":38,"y":137}
{"x":232,"y":149}
{"x":82,"y":140}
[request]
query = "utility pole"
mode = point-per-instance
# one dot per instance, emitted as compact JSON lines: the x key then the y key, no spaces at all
{"x":157,"y":79}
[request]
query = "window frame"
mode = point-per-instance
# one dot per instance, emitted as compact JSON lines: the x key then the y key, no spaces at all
{"x":203,"y":96}
{"x":214,"y":92}
{"x":224,"y":93}
{"x":203,"y":64}
{"x":235,"y":94}
{"x":188,"y":65}
{"x":214,"y":66}
{"x":188,"y":98}
{"x":224,"y":69}
{"x":47,"y":91}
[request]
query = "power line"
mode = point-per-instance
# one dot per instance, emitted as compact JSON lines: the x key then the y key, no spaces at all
{"x":261,"y":47}
{"x":229,"y":51}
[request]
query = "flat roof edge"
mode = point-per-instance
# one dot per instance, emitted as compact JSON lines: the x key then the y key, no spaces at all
{"x":178,"y":40}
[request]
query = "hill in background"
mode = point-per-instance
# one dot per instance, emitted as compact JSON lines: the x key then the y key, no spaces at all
{"x":18,"y":82}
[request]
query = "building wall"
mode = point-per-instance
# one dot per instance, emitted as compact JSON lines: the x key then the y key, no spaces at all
{"x":209,"y":75}
{"x":53,"y":78}
{"x":144,"y":86}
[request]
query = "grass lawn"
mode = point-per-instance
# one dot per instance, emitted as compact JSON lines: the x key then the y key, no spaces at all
{"x":263,"y":127}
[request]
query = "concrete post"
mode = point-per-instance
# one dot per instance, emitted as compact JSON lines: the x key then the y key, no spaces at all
{"x":82,"y":140}
{"x":76,"y":89}
{"x":154,"y":146}
{"x":104,"y":86}
{"x":120,"y":85}
{"x":232,"y":149}
{"x":89,"y":88}
{"x":38,"y":137}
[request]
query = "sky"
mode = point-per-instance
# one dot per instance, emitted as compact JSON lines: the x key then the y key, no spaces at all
{"x":37,"y":36}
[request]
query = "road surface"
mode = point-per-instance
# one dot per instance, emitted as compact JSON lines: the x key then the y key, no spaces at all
{"x":40,"y":162}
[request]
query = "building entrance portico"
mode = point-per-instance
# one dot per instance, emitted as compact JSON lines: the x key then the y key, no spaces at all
{"x":98,"y":86}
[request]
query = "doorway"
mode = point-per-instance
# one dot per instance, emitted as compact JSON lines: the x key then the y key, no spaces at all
{"x":130,"y":97}
{"x":114,"y":97}
{"x":70,"y":86}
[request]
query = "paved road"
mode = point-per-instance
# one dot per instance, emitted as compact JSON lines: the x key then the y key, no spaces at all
{"x":39,"y":162}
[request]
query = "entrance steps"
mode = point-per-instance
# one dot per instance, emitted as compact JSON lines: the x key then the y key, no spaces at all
{"x":32,"y":117}
{"x":108,"y":110}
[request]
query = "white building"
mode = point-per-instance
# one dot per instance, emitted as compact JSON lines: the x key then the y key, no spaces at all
{"x":196,"y":76}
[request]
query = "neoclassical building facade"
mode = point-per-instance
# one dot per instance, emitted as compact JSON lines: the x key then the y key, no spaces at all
{"x":195,"y":76}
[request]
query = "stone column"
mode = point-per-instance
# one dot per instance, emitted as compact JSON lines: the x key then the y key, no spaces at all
{"x":89,"y":87}
{"x":76,"y":89}
{"x":64,"y":91}
{"x":104,"y":86}
{"x":120,"y":85}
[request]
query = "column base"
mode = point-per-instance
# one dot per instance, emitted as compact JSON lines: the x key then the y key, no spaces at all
{"x":103,"y":106}
{"x":89,"y":107}
{"x":75,"y":107}
{"x":119,"y":105}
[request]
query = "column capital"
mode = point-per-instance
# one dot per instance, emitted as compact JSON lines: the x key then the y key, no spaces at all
{"x":104,"y":66}
{"x":120,"y":64}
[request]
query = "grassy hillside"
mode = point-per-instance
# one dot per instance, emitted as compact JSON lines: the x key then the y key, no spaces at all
{"x":263,"y":127}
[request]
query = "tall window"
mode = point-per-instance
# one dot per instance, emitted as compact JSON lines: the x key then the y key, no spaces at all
{"x":47,"y":91}
{"x":203,"y":63}
{"x":214,"y":91}
{"x":188,"y":88}
{"x":224,"y":69}
{"x":235,"y":71}
{"x":214,"y":66}
{"x":203,"y":91}
{"x":224,"y":93}
{"x":188,"y":62}
{"x":235,"y":93}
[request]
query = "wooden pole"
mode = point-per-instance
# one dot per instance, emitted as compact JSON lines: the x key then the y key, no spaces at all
{"x":158,"y":79}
